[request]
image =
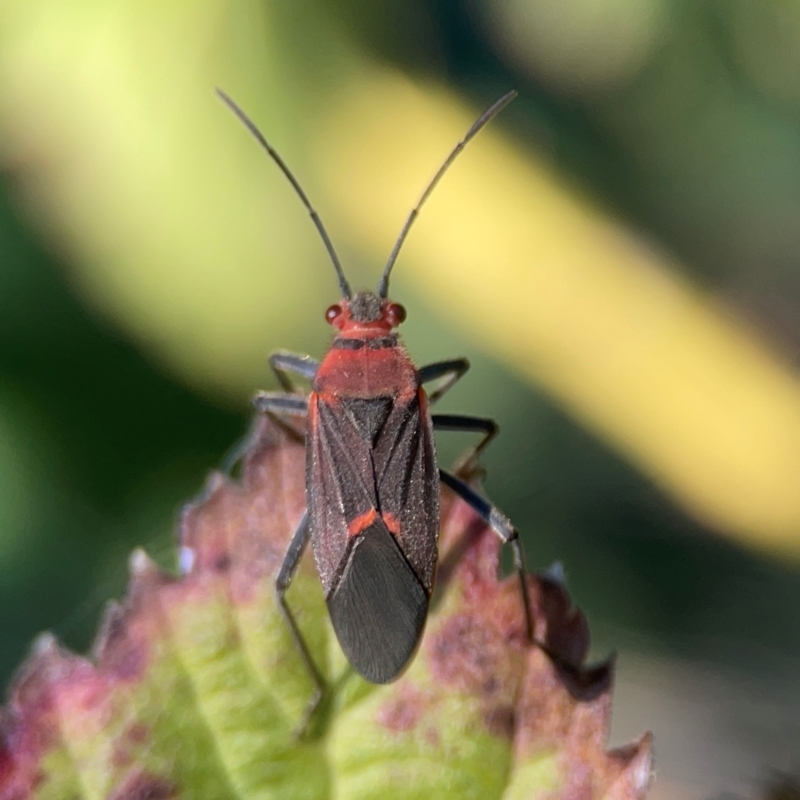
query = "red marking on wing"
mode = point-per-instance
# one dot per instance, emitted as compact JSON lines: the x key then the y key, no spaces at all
{"x":361,"y":522}
{"x":392,"y":523}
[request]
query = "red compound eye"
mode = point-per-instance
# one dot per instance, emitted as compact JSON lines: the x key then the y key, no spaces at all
{"x":333,"y":313}
{"x":395,"y":314}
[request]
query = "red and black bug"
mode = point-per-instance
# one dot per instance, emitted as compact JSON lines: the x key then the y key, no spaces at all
{"x":372,"y":479}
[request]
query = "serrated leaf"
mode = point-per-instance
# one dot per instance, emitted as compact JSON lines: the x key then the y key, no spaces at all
{"x":195,"y":688}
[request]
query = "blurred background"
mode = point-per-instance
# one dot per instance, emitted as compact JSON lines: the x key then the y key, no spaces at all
{"x":617,"y":255}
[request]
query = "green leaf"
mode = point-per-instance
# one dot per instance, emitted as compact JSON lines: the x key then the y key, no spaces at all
{"x":196,"y":690}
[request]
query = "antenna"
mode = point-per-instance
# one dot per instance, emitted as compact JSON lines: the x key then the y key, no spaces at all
{"x":250,"y":125}
{"x":487,"y":116}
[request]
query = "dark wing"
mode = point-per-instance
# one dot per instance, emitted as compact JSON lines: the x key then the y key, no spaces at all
{"x":340,"y":486}
{"x":407,"y":479}
{"x":378,"y":607}
{"x":373,"y":502}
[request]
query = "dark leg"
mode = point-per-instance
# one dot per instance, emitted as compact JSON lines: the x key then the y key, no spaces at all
{"x":279,"y":403}
{"x":293,"y":405}
{"x":283,"y":364}
{"x":282,"y":583}
{"x":448,"y":372}
{"x":460,"y":422}
{"x":502,"y":526}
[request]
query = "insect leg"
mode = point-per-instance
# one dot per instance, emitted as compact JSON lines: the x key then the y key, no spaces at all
{"x":294,"y":405}
{"x":282,"y":583}
{"x":448,"y":372}
{"x":283,"y":364}
{"x":460,"y":422}
{"x":278,"y":403}
{"x":281,"y":404}
{"x":502,"y":526}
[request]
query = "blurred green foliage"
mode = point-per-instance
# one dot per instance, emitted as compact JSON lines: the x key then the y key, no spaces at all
{"x":98,"y":447}
{"x":693,"y":136}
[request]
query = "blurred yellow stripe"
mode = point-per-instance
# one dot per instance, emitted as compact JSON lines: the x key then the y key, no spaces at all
{"x":572,"y":301}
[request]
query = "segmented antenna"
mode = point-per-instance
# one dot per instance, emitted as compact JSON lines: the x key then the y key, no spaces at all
{"x":250,"y":125}
{"x":487,"y":116}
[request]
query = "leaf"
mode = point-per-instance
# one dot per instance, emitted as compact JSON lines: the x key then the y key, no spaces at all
{"x":195,"y":688}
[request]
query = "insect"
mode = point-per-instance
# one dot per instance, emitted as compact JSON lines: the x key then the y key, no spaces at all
{"x":372,"y":478}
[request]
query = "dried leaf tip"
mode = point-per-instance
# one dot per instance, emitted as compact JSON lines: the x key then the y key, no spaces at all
{"x":43,"y":644}
{"x":140,"y":564}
